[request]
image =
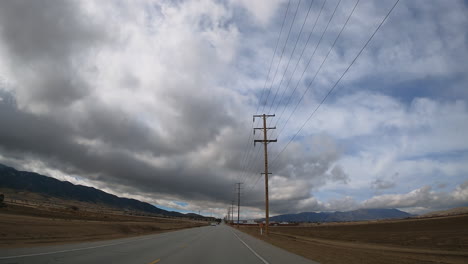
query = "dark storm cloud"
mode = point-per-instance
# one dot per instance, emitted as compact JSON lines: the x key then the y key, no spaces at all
{"x":104,"y":148}
{"x":41,"y":137}
{"x":46,"y":41}
{"x":114,"y":127}
{"x":24,"y":132}
{"x":196,"y":119}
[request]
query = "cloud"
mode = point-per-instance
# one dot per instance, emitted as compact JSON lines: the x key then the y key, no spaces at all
{"x":48,"y":44}
{"x":461,"y":193}
{"x":156,"y":98}
{"x":423,"y":197}
{"x":382,"y":184}
{"x":164,"y":135}
{"x":338,"y":175}
{"x":261,"y":11}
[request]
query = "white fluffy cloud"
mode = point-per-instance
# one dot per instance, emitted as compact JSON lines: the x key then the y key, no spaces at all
{"x":423,"y":197}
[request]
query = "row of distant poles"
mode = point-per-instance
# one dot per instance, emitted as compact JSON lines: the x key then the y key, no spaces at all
{"x":265,"y":142}
{"x":231,"y":209}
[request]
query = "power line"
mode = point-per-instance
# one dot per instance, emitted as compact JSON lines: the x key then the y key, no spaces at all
{"x":295,"y":67}
{"x":308,"y":63}
{"x":334,"y":86}
{"x":292,"y":53}
{"x":248,"y":165}
{"x":306,"y":67}
{"x":316,"y":47}
{"x":281,"y":56}
{"x":339,"y":79}
{"x":320,"y":67}
{"x":245,"y":157}
{"x":297,"y":63}
{"x":273,"y":57}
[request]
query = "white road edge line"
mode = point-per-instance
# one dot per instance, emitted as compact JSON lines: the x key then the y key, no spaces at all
{"x":75,"y":249}
{"x":253,"y":251}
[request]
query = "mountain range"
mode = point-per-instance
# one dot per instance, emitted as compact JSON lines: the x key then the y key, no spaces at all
{"x":356,"y":215}
{"x":36,"y":183}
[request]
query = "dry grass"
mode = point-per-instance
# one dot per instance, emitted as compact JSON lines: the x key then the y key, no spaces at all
{"x":433,"y":240}
{"x":23,"y":226}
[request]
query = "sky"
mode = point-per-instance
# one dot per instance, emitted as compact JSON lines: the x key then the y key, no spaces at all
{"x":154,"y":100}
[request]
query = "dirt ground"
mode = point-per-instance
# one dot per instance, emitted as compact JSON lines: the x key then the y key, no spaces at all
{"x":431,"y":240}
{"x":22,"y":226}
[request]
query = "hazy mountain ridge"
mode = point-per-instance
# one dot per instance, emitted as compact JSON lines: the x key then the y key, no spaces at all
{"x":37,"y":183}
{"x":356,"y":215}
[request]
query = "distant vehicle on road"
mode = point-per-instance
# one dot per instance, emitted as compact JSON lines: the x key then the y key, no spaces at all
{"x":213,"y":224}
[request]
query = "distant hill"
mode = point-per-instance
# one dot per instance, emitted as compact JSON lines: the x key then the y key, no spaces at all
{"x":449,"y":212}
{"x":356,"y":215}
{"x":36,"y":183}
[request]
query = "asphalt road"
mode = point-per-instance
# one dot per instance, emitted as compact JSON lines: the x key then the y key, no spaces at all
{"x":211,"y":244}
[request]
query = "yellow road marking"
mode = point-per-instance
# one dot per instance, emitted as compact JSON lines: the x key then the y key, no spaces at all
{"x":156,"y":261}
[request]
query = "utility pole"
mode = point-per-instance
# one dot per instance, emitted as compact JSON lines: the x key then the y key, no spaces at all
{"x":265,"y":142}
{"x":232,"y":212}
{"x":238,"y":202}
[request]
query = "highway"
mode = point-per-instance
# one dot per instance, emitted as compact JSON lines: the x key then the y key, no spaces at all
{"x":210,"y":244}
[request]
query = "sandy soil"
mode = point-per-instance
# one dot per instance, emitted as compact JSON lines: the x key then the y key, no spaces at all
{"x":434,"y":240}
{"x":22,"y":226}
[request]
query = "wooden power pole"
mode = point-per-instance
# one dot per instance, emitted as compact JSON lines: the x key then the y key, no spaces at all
{"x":232,"y":212}
{"x":238,"y":202}
{"x":265,"y":142}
